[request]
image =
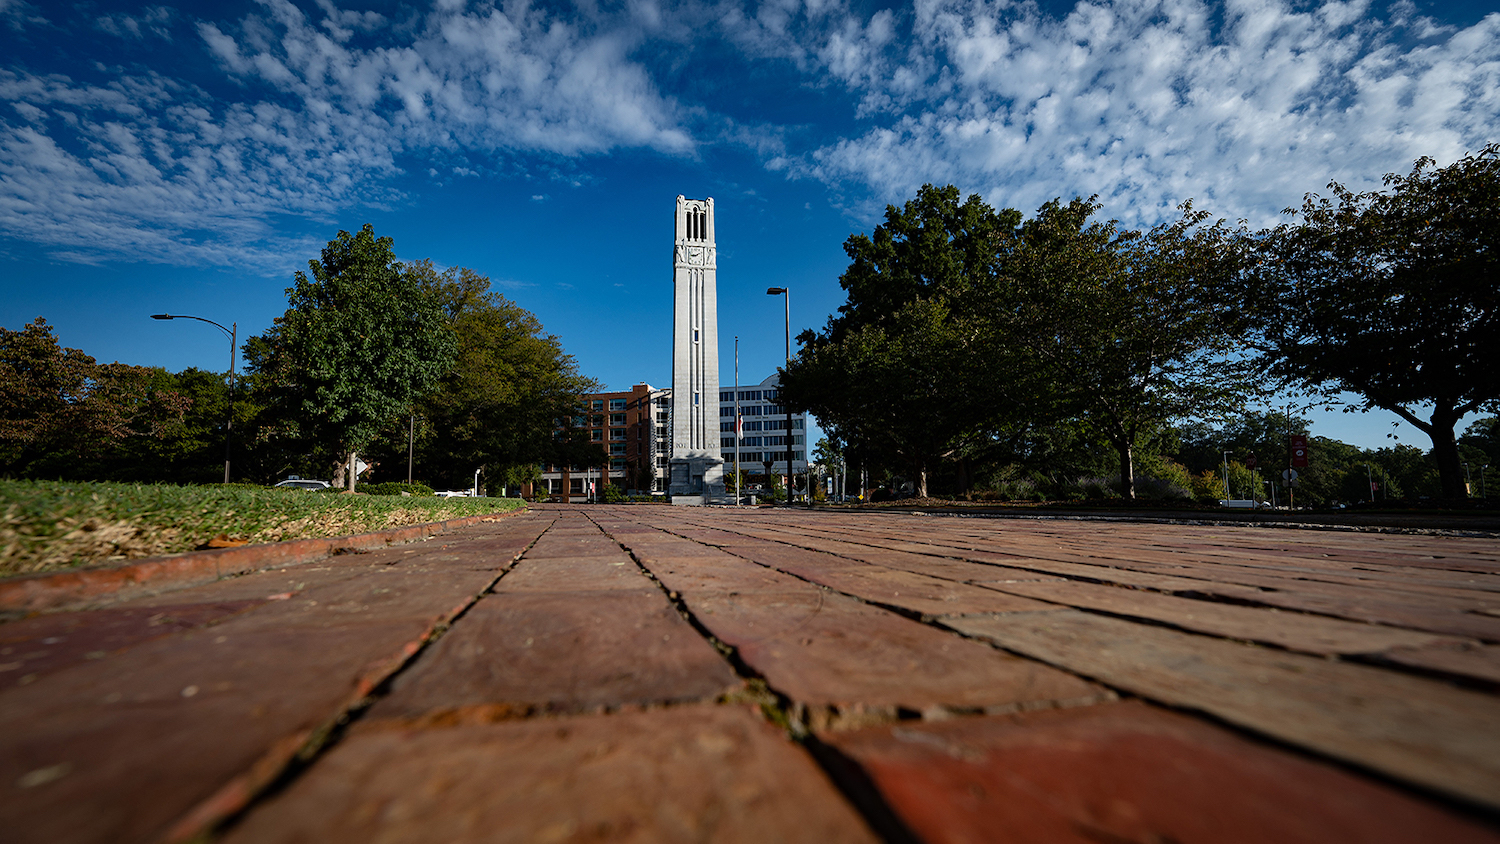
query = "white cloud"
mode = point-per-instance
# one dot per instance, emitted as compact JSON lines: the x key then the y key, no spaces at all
{"x":148,"y":167}
{"x":1150,"y":102}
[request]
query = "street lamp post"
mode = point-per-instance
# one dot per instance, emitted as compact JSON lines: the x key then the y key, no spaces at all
{"x":780,"y":391}
{"x":1227,"y":494}
{"x":233,"y":332}
{"x":1370,"y":478}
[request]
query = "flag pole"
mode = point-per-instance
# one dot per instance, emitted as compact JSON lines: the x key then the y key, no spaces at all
{"x":737,"y":490}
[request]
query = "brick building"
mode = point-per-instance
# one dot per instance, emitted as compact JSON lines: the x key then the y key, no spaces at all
{"x":632,"y":427}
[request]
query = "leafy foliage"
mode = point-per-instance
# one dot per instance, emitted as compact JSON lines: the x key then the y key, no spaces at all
{"x":1393,"y":295}
{"x":361,"y":340}
{"x":496,"y":407}
{"x":63,"y":415}
{"x":966,"y":329}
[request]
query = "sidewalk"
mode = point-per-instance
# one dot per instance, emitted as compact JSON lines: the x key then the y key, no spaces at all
{"x":648,"y":673}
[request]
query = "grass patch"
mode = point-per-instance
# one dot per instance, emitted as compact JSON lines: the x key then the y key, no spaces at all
{"x":52,"y":525}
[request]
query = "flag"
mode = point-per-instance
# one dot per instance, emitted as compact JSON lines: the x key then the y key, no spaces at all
{"x":739,"y":428}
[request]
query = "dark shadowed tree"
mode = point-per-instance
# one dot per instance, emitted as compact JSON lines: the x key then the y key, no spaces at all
{"x":498,"y":406}
{"x":63,"y":415}
{"x":361,"y":340}
{"x":1394,"y":295}
{"x":905,"y":371}
{"x":1129,"y":330}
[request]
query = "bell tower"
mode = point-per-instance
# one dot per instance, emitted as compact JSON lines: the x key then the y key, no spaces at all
{"x":696,"y":467}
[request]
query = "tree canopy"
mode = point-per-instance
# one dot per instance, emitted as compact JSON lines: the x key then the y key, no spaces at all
{"x":964,"y":326}
{"x":1393,"y":295}
{"x":904,"y":368}
{"x":361,"y":340}
{"x":64,"y":415}
{"x":497,"y":406}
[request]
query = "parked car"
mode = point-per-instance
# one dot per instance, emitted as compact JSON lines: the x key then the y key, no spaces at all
{"x":295,"y":482}
{"x":453,"y":493}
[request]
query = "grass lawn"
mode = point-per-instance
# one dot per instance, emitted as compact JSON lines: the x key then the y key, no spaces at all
{"x":52,"y":525}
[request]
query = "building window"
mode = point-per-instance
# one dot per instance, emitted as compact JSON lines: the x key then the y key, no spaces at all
{"x":575,"y":486}
{"x":749,"y":395}
{"x":617,"y":465}
{"x":695,"y":398}
{"x":617,"y":404}
{"x":616,"y":434}
{"x":598,"y":404}
{"x":617,"y":419}
{"x":752,"y":441}
{"x":726,"y":442}
{"x":726,"y":397}
{"x":695,"y":335}
{"x":594,"y":435}
{"x":749,"y":457}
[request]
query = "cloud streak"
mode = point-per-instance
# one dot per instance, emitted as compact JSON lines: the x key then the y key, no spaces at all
{"x":309,"y":111}
{"x":151,"y":168}
{"x":1247,"y":105}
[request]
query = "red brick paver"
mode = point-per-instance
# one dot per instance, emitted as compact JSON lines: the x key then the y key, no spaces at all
{"x":663,"y":673}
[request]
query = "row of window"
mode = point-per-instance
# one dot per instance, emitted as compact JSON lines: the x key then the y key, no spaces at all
{"x":748,"y":395}
{"x":759,"y":425}
{"x":728,"y":442}
{"x":762,"y":456}
{"x":614,"y":404}
{"x":753,"y":410}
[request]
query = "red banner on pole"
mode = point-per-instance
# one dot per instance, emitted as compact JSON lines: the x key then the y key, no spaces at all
{"x":1299,"y":451}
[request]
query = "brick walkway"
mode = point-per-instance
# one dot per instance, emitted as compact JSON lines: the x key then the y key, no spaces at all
{"x":684,"y":674}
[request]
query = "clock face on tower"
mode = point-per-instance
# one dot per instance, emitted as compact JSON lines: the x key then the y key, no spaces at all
{"x":695,"y":255}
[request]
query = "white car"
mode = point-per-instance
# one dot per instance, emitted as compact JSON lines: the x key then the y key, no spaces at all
{"x":302,"y":483}
{"x":456,"y":493}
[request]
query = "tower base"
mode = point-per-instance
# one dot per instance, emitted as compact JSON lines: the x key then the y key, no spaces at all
{"x":695,"y":480}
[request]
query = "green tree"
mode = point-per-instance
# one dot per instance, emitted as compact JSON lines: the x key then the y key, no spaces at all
{"x":498,"y":406}
{"x":64,"y":415}
{"x":362,"y":338}
{"x":1128,"y":329}
{"x":1393,"y":295}
{"x":905,"y":370}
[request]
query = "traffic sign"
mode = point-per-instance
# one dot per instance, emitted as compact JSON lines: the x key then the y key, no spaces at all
{"x":1250,"y":460}
{"x":1289,"y":475}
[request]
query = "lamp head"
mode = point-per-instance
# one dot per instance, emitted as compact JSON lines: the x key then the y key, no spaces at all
{"x":162,"y":316}
{"x":775,"y":291}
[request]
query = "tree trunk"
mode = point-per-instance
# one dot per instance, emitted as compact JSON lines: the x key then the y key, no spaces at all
{"x":922,"y":479}
{"x":338,"y":474}
{"x":353,"y":475}
{"x":1445,"y":452}
{"x":1439,"y":429}
{"x":1127,"y":466}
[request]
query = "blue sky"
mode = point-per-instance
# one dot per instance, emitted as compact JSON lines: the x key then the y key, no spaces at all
{"x":189,"y":157}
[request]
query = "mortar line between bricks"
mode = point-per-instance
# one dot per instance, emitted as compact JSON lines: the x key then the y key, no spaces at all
{"x":1206,"y":521}
{"x":1102,"y":580}
{"x":844,"y":773}
{"x":1477,"y":812}
{"x":325,"y":737}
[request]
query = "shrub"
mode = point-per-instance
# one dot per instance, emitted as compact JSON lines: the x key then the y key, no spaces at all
{"x":395,"y":488}
{"x":613,"y":494}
